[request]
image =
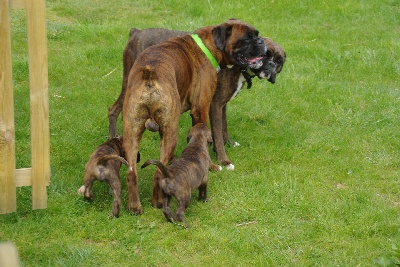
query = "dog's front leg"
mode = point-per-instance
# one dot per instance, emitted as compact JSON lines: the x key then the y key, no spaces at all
{"x":227,"y":139}
{"x":183,"y":203}
{"x":216,"y":130}
{"x":203,"y":189}
{"x":167,"y":208}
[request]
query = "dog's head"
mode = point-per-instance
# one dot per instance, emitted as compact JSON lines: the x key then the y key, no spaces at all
{"x":272,"y":61}
{"x":199,"y":131}
{"x":239,"y":43}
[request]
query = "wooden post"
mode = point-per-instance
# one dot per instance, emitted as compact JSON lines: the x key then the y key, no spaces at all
{"x":38,"y":80}
{"x":7,"y":134}
{"x":38,"y":176}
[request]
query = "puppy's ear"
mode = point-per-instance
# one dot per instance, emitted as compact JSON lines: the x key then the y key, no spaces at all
{"x":221,"y":33}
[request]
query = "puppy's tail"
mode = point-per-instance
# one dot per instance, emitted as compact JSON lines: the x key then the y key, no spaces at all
{"x":164,"y":169}
{"x":105,"y":158}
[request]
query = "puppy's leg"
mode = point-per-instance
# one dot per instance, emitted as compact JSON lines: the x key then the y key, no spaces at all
{"x":203,"y":191}
{"x":183,"y":203}
{"x":115,"y":185}
{"x":167,"y":208}
{"x":88,"y":184}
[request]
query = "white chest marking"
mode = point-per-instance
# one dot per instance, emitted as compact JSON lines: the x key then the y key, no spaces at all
{"x":239,"y":87}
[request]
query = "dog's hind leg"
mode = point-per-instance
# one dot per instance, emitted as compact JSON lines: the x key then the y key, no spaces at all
{"x":131,"y":139}
{"x":89,"y":179}
{"x":168,"y":140}
{"x":113,"y":113}
{"x":115,"y":185}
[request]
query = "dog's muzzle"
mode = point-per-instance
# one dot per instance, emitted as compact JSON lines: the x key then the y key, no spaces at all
{"x":254,"y":62}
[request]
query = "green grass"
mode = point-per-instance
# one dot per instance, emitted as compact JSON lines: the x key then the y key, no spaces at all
{"x":317,"y":174}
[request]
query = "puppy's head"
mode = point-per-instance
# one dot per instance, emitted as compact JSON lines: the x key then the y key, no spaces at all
{"x":240,"y":43}
{"x":199,"y":131}
{"x":272,"y":61}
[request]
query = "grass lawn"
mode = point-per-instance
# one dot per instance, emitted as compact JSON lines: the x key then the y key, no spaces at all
{"x":317,"y":177}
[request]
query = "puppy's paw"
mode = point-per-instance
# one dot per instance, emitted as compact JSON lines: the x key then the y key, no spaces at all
{"x":235,"y":144}
{"x":81,"y":190}
{"x":230,"y":167}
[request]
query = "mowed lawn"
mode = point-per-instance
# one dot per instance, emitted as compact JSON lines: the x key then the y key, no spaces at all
{"x":317,"y":177}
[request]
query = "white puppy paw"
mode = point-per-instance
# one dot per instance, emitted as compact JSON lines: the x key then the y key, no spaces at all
{"x":219,"y":168}
{"x":81,"y":190}
{"x":230,"y":167}
{"x":235,"y":144}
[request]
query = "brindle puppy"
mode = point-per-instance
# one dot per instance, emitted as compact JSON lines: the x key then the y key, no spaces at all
{"x":104,"y":165}
{"x":188,"y":172}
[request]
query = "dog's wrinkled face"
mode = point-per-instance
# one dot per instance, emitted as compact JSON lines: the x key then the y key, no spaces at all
{"x":241,"y":43}
{"x":272,"y":61}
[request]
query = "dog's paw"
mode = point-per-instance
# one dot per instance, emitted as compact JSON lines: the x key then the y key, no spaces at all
{"x":235,"y":144}
{"x":215,"y":167}
{"x":230,"y":167}
{"x":81,"y":190}
{"x":136,"y":211}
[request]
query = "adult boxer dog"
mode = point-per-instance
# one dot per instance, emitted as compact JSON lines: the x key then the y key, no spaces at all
{"x":170,"y":78}
{"x":188,"y":172}
{"x":230,"y":82}
{"x":104,"y":165}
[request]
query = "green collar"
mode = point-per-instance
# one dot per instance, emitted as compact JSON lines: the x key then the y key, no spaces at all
{"x":207,"y":52}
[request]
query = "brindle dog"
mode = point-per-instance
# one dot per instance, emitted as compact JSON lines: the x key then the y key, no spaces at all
{"x":188,"y":172}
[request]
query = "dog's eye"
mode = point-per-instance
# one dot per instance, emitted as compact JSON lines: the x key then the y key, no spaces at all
{"x":279,"y":61}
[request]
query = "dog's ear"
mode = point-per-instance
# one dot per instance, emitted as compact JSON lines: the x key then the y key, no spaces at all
{"x":221,"y":33}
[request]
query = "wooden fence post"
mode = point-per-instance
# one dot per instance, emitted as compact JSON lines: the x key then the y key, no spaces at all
{"x":38,"y":80}
{"x":7,"y":135}
{"x":38,"y":176}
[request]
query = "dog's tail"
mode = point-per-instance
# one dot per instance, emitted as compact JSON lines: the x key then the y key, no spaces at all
{"x":164,"y":169}
{"x":103,"y":160}
{"x":148,"y":73}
